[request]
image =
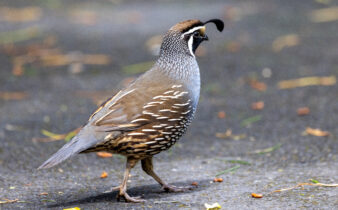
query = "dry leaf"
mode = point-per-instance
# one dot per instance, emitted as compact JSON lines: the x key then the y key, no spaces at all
{"x":303,"y":111}
{"x":228,"y":134}
{"x":213,"y":206}
{"x":194,"y":184}
{"x":285,"y":41}
{"x":13,"y":95}
{"x":218,"y":179}
{"x":73,"y":208}
{"x":256,"y":195}
{"x":44,"y":193}
{"x":259,"y":105}
{"x":316,"y":132}
{"x":303,"y":184}
{"x":324,"y":15}
{"x":24,"y":14}
{"x":260,"y":86}
{"x":104,"y":175}
{"x":85,"y":17}
{"x":221,"y":114}
{"x":104,"y":154}
{"x":8,"y":201}
{"x":307,"y":81}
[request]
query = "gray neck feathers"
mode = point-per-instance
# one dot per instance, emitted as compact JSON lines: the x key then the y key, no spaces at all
{"x":175,"y":59}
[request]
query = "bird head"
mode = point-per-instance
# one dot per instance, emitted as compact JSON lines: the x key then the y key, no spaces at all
{"x":186,"y":36}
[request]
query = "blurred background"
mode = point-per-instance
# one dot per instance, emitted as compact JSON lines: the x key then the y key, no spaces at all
{"x":267,"y":116}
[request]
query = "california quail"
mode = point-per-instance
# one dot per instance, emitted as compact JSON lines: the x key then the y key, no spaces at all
{"x":152,"y":113}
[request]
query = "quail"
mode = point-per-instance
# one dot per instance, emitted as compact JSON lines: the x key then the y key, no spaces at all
{"x":152,"y":113}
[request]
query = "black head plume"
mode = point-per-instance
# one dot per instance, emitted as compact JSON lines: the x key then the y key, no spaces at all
{"x":219,"y":24}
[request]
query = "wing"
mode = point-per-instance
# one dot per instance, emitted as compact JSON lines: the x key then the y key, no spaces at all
{"x":123,"y":111}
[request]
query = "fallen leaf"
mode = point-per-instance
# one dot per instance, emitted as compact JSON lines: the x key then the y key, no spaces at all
{"x":25,"y":14}
{"x":256,"y":195}
{"x":267,"y":150}
{"x":104,"y":175}
{"x":221,"y":114}
{"x":325,"y":2}
{"x":228,"y":170}
{"x":73,"y":208}
{"x":104,"y":154}
{"x":194,"y":184}
{"x":243,"y":162}
{"x":44,"y":193}
{"x":255,"y":84}
{"x":85,"y":17}
{"x":96,"y":59}
{"x":213,"y":206}
{"x":303,"y":111}
{"x":13,"y":95}
{"x":259,"y":105}
{"x":228,"y":134}
{"x":218,"y":179}
{"x":10,"y":37}
{"x":251,"y":120}
{"x":282,"y":42}
{"x":303,"y":184}
{"x":316,"y":132}
{"x":307,"y":81}
{"x":324,"y":15}
{"x":8,"y":201}
{"x":314,"y":181}
{"x":56,"y":137}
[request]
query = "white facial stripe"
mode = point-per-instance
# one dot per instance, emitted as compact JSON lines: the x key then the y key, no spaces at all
{"x":192,"y":30}
{"x":190,"y":43}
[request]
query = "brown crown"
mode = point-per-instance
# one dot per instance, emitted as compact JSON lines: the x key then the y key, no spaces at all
{"x":186,"y":25}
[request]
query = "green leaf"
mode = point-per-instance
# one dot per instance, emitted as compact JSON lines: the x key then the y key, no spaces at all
{"x":70,"y":135}
{"x":314,"y":181}
{"x":251,"y":120}
{"x":267,"y":150}
{"x":228,"y":170}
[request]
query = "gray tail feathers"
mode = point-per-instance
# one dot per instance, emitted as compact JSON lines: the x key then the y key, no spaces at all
{"x":79,"y":143}
{"x":64,"y":153}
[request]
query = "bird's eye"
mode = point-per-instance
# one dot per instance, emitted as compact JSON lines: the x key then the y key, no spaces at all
{"x":196,"y":33}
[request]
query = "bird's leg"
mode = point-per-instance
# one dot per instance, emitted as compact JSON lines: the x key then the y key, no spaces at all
{"x":147,"y":166}
{"x":123,"y":187}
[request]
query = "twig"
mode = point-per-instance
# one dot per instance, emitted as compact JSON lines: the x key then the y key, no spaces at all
{"x":303,"y":184}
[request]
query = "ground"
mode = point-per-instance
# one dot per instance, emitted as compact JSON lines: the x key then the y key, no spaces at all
{"x":264,"y":42}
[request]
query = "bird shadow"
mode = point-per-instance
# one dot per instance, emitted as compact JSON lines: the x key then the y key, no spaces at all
{"x":147,"y":192}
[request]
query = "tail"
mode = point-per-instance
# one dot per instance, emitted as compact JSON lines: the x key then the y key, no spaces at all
{"x":82,"y":141}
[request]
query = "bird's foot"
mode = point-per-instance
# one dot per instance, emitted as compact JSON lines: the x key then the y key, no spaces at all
{"x":172,"y":188}
{"x":127,"y":198}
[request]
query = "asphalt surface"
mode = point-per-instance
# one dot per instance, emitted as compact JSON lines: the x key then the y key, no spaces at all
{"x":59,"y":99}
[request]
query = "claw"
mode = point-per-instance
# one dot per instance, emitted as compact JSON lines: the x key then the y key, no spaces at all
{"x":127,"y":198}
